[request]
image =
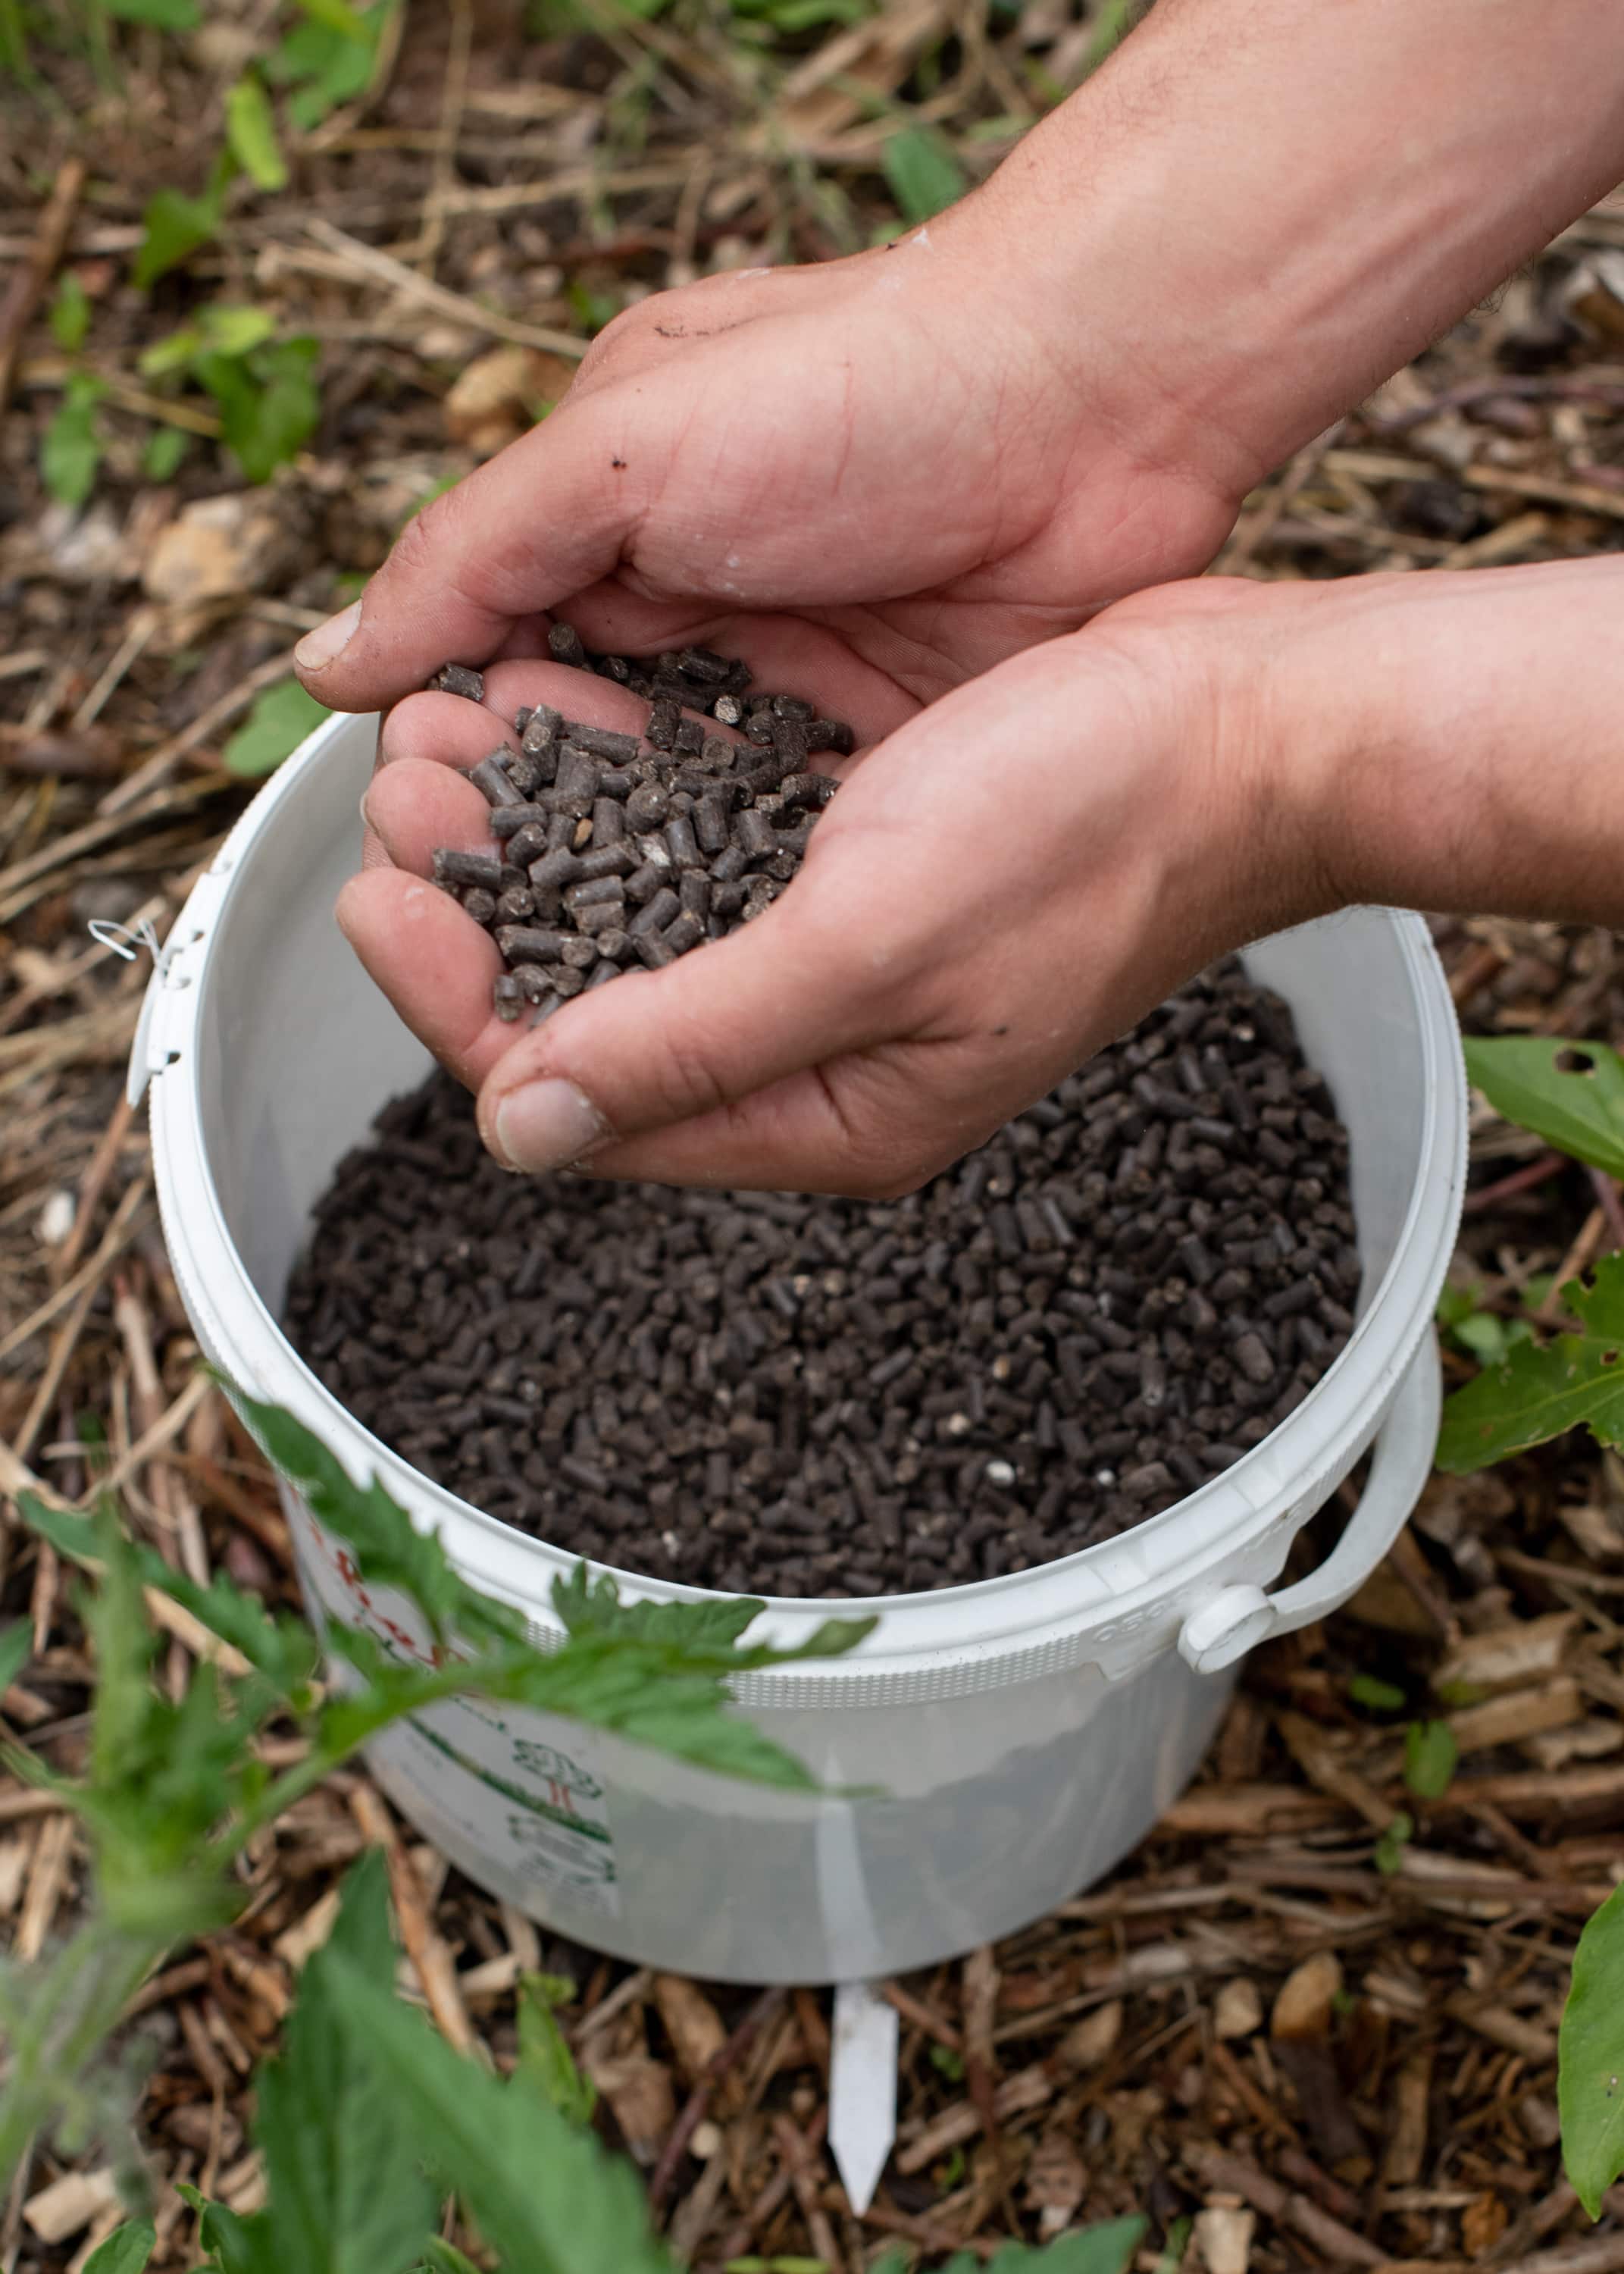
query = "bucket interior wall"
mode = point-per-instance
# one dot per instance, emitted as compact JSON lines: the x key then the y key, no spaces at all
{"x":297,"y":1052}
{"x":1001,"y":1800}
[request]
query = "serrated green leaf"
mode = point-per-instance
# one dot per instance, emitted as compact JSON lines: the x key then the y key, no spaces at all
{"x":250,"y":131}
{"x":1430,"y":1754}
{"x":389,"y":1551}
{"x":345,"y":2194}
{"x":547,"y":2196}
{"x":594,"y":1607}
{"x":284,"y":1649}
{"x":70,"y":452}
{"x":1580,"y":1113}
{"x":1591,"y":2058}
{"x":280,"y":718}
{"x":125,"y":2251}
{"x":76,"y":1537}
{"x":166,"y":447}
{"x":70,"y":314}
{"x":15,"y":1649}
{"x":922,"y":171}
{"x":1544,"y":1388}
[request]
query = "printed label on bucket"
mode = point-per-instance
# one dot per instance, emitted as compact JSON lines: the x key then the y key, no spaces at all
{"x":523,"y":1788}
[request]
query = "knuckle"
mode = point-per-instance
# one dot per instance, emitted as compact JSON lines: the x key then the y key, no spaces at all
{"x":622,"y":335}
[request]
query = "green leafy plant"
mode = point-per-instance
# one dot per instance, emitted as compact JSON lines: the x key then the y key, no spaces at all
{"x":1107,"y":2248}
{"x":250,"y":133}
{"x":263,"y":389}
{"x":1380,"y":1697}
{"x":174,"y":224}
{"x":71,"y":449}
{"x":1542,"y":1390}
{"x":544,"y":2054}
{"x":1484,"y":1334}
{"x":1431,"y":1756}
{"x":1572,"y":1094}
{"x":1390,"y":1846}
{"x":280,"y":720}
{"x":126,"y":2251}
{"x":327,"y":59}
{"x":70,"y":314}
{"x":168,"y":15}
{"x":922,"y":171}
{"x":175,"y":1788}
{"x":1591,"y":2058}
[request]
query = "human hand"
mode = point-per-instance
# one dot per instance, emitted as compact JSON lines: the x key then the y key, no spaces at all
{"x":1002,"y":885}
{"x":873,"y":478}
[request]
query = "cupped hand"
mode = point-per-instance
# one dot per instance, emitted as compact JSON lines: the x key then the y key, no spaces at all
{"x":878,"y":476}
{"x":1003,"y":883}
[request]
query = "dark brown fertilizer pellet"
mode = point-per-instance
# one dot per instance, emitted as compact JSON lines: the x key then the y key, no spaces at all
{"x":461,"y":679}
{"x":1086,"y":1319}
{"x":576,"y":803}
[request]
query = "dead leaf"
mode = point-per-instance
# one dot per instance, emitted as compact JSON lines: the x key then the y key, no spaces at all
{"x":1237,"y":2010}
{"x":1056,"y":2181}
{"x":1483,"y":2223}
{"x":1092,"y":2040}
{"x":500,"y":396}
{"x":639,"y":2089}
{"x":1306,"y":2000}
{"x":219,"y":548}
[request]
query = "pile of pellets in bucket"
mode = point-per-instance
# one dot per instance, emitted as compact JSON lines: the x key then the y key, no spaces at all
{"x":1088,"y":1318}
{"x":609,"y":856}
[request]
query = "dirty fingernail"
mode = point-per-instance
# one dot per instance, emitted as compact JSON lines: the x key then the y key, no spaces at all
{"x":328,"y":641}
{"x":546,"y":1124}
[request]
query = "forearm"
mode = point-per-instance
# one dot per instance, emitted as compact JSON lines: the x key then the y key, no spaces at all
{"x":1260,"y":208}
{"x":1452,"y":743}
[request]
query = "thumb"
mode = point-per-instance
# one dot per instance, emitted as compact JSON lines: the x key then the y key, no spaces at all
{"x":545,"y":517}
{"x":788,"y":993}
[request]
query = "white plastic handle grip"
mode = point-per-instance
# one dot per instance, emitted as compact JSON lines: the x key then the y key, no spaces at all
{"x":1238,"y":1618}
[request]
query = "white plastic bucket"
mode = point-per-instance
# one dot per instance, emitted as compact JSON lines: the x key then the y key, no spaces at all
{"x":1025,"y":1731}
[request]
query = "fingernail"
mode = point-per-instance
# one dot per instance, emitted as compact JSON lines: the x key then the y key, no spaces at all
{"x":328,"y":641}
{"x":546,"y":1124}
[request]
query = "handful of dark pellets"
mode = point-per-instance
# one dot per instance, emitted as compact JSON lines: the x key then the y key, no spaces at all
{"x":609,"y":856}
{"x":1132,"y":1283}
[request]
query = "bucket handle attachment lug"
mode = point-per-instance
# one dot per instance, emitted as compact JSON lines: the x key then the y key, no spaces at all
{"x":1238,"y":1618}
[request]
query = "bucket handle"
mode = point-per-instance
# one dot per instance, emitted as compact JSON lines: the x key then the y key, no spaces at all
{"x":1238,"y":1617}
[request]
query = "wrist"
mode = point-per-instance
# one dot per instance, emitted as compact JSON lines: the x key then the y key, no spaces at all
{"x":1253,"y":214}
{"x":1250,"y":787}
{"x":1446,"y":742}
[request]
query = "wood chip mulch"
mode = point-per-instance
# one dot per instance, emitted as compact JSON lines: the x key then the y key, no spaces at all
{"x":1332,"y":2048}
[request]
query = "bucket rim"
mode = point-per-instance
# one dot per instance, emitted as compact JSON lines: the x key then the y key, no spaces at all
{"x":1138,"y":1585}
